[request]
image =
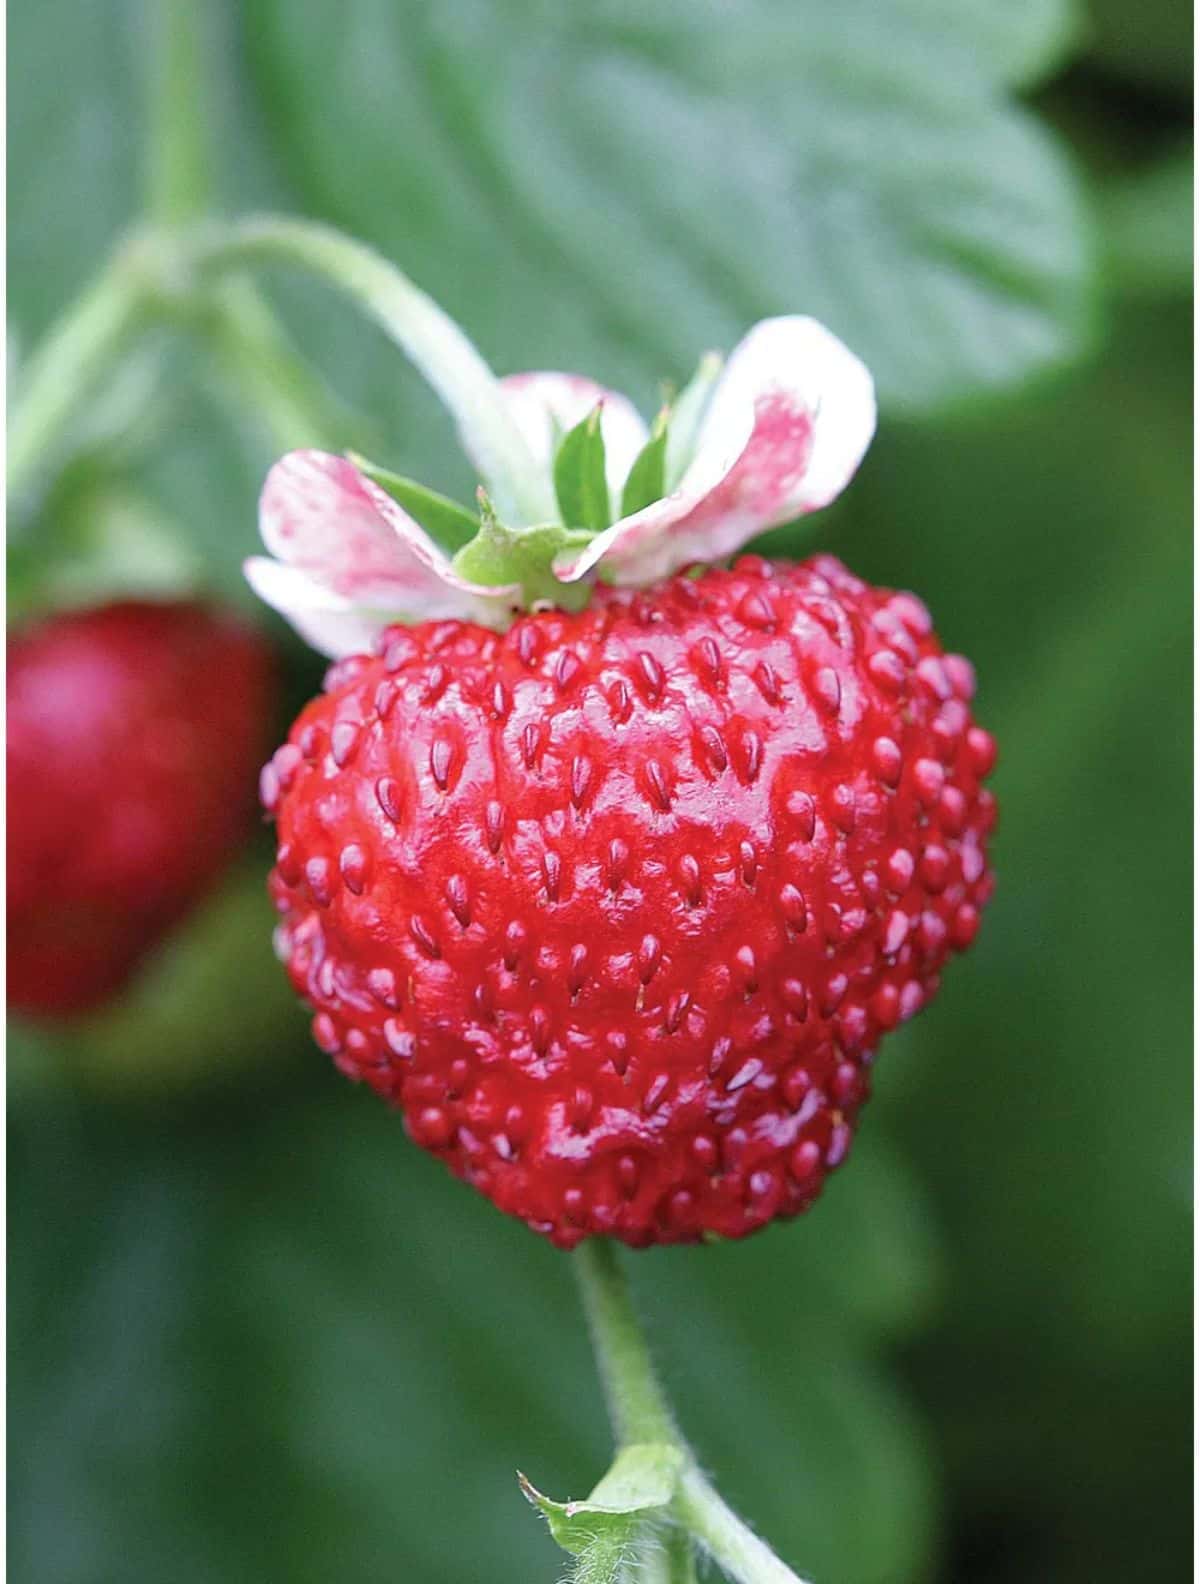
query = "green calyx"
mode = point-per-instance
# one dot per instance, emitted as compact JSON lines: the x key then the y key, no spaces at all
{"x":444,"y":520}
{"x":498,"y":556}
{"x":580,"y":482}
{"x":490,"y":553}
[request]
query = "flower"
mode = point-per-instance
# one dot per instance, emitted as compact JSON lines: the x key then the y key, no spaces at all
{"x":350,"y":561}
{"x":787,"y":424}
{"x":781,"y":430}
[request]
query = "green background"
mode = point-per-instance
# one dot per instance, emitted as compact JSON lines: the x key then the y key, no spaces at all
{"x":253,"y":1333}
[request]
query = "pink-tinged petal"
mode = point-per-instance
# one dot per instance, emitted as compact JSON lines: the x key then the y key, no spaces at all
{"x":319,"y":513}
{"x":328,"y":622}
{"x":545,"y":405}
{"x":351,"y":560}
{"x":801,"y":362}
{"x":787,"y":426}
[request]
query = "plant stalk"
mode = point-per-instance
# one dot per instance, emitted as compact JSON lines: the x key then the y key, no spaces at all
{"x":178,"y":174}
{"x":81,"y":348}
{"x":637,"y":1404}
{"x":162,"y":272}
{"x":640,"y":1412}
{"x":425,"y":333}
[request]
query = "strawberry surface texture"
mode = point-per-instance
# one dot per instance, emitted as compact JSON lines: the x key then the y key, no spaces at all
{"x":616,"y":906}
{"x":134,"y":733}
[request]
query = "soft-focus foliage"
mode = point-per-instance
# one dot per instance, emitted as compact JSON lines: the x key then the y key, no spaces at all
{"x":255,"y":1334}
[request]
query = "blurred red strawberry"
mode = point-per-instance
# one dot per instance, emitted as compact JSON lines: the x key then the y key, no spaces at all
{"x":134,"y":734}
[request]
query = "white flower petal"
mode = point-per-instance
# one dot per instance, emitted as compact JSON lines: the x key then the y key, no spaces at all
{"x":351,"y":560}
{"x":545,"y":405}
{"x":319,"y":513}
{"x":788,"y":424}
{"x":807,"y":366}
{"x":328,"y":622}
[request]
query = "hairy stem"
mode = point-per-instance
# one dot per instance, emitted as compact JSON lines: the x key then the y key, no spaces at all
{"x":733,"y":1546}
{"x":637,"y":1404}
{"x":640,"y":1413}
{"x":668,"y":1557}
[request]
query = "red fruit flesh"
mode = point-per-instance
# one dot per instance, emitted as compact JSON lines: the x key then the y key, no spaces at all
{"x":133,"y":734}
{"x":616,"y":906}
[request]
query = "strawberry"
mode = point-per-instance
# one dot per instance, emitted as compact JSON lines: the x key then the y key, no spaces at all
{"x":133,"y":731}
{"x":616,"y":902}
{"x":617,"y":906}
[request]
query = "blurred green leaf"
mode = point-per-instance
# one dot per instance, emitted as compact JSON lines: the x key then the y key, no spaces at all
{"x":1048,"y":1097}
{"x":654,"y":183}
{"x":81,"y":132}
{"x":1149,"y":43}
{"x":312,"y":1353}
{"x":1149,"y":226}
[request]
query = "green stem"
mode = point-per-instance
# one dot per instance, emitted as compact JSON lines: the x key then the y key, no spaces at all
{"x":637,"y":1404}
{"x":427,"y":335}
{"x":733,"y":1546}
{"x":90,"y":338}
{"x":159,"y":273}
{"x":640,"y":1412}
{"x":178,"y":182}
{"x":668,"y":1557}
{"x":269,"y":378}
{"x":254,"y":357}
{"x":65,"y":370}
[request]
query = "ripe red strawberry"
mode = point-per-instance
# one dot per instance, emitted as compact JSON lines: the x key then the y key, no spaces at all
{"x":133,"y":732}
{"x":617,"y":905}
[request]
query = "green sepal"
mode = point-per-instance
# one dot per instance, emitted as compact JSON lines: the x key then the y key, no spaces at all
{"x":580,"y":482}
{"x":601,"y":1530}
{"x":498,"y":556}
{"x":647,"y":477}
{"x":450,"y":524}
{"x":687,"y":414}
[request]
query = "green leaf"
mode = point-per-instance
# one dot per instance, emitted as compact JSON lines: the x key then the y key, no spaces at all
{"x":178,"y":1307}
{"x":867,"y":164}
{"x":603,"y":1528}
{"x":1148,"y":226}
{"x":1070,"y":588}
{"x":646,"y":482}
{"x":1150,"y":47}
{"x":580,"y":483}
{"x":449,"y":523}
